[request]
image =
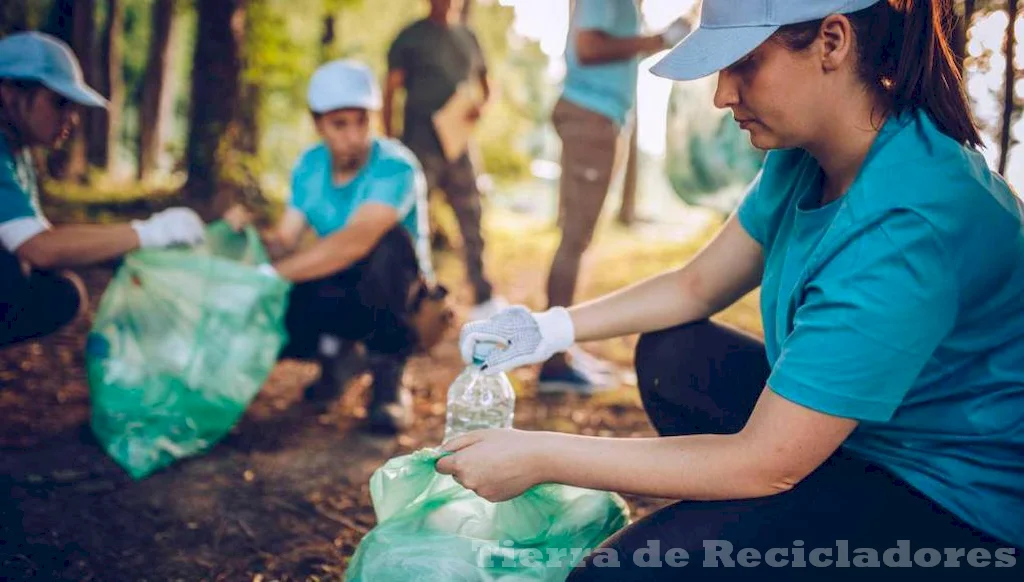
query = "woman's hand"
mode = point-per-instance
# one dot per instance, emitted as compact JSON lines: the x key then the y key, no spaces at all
{"x":498,"y":464}
{"x":525,"y":338}
{"x":238,"y":217}
{"x":171,"y":227}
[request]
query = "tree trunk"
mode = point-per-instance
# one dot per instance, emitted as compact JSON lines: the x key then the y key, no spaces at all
{"x":1008,"y":101}
{"x":59,"y":21}
{"x":215,"y":95}
{"x":155,"y":94}
{"x":247,"y":136}
{"x":627,"y":211}
{"x":961,"y":27}
{"x":76,"y":166}
{"x":105,"y":125}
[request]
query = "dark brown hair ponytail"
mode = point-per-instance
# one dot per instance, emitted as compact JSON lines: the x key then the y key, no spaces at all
{"x":904,"y":56}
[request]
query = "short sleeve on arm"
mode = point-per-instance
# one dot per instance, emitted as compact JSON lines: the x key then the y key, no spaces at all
{"x":399,"y":190}
{"x":751,"y":213}
{"x":870,"y":322}
{"x":596,"y":15}
{"x":19,"y":219}
{"x":771,"y":192}
{"x":397,"y":52}
{"x":15,"y":202}
{"x":307,"y":179}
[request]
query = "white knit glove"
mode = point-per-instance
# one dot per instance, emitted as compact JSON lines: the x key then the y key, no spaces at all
{"x":268,"y":270}
{"x":524,"y":337}
{"x":174,"y":226}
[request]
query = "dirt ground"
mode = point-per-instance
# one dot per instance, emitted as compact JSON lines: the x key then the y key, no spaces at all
{"x":284,"y":497}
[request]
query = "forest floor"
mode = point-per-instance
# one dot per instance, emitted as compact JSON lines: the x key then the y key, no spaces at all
{"x":286,"y":495}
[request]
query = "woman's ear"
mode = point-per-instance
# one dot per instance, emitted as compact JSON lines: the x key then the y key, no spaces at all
{"x":836,"y":38}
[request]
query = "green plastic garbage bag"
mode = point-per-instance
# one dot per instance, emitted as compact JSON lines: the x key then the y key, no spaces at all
{"x":182,"y":342}
{"x":431,"y":528}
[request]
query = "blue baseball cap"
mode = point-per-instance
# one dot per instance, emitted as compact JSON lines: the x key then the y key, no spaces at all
{"x":731,"y":29}
{"x":343,"y":84}
{"x":40,"y":57}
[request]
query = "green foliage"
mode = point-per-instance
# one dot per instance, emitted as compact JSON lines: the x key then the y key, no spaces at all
{"x":284,"y":45}
{"x":283,"y":41}
{"x":18,"y":15}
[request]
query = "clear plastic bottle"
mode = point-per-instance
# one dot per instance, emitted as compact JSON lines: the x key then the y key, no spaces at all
{"x":478,"y":400}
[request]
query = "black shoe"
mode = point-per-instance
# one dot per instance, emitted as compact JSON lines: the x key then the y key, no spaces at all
{"x":335,"y":373}
{"x":390,"y":418}
{"x":390,"y":409}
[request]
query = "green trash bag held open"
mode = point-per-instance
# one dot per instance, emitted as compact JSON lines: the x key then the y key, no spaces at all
{"x":431,"y":528}
{"x":183,"y":341}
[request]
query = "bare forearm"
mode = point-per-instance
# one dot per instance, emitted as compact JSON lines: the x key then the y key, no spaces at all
{"x":657,"y":303}
{"x":729,"y":267}
{"x":598,"y":48}
{"x":697,"y":467}
{"x":79,"y":244}
{"x":326,"y":257}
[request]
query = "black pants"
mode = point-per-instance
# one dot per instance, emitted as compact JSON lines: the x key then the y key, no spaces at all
{"x":34,"y":305}
{"x":369,"y":302}
{"x":705,"y":378}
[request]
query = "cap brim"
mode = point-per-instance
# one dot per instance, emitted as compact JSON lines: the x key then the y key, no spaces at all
{"x":80,"y":94}
{"x":708,"y":50}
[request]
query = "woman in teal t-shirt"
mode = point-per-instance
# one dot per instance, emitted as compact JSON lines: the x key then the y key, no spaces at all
{"x":41,"y":90}
{"x":881,"y":421}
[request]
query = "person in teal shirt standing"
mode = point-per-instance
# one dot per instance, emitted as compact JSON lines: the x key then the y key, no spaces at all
{"x":366,"y":283}
{"x":601,"y":58}
{"x":881,"y":422}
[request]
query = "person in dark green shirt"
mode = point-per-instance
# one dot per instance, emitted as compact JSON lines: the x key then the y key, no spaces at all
{"x":429,"y":59}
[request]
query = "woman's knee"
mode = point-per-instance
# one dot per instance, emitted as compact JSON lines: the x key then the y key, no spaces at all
{"x":64,"y":296}
{"x":663,"y":353}
{"x":78,"y":295}
{"x":49,"y":302}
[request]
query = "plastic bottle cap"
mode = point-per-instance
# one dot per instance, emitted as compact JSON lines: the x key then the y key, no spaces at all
{"x":482,"y":351}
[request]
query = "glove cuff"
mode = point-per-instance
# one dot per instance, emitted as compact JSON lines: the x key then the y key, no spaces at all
{"x":556,"y":328}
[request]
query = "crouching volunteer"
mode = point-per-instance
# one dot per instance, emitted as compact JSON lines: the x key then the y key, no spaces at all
{"x":885,"y":406}
{"x":41,"y":89}
{"x":366,"y":283}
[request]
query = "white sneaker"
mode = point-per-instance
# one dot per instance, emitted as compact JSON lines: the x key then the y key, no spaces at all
{"x":593,"y":365}
{"x":488,"y":308}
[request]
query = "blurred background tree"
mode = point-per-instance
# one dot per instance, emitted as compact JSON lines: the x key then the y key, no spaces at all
{"x":209,"y":95}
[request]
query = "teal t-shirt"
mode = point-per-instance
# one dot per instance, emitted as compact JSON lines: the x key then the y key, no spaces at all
{"x":608,"y":88}
{"x":391,"y":176}
{"x":19,"y":195}
{"x":901,"y":305}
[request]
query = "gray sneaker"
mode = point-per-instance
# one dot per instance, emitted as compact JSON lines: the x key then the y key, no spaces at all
{"x":573,"y":380}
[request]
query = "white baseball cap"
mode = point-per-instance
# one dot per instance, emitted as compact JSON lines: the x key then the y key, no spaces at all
{"x":34,"y":56}
{"x":730,"y":29}
{"x":343,"y":84}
